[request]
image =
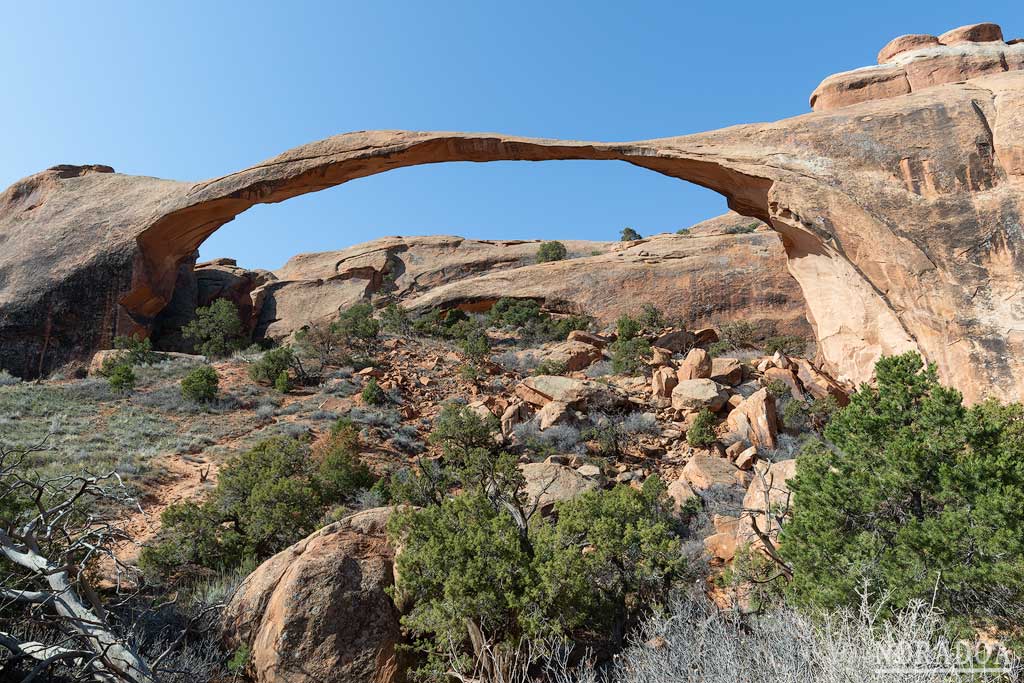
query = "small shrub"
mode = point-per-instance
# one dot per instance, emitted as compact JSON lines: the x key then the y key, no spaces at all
{"x":702,"y":432}
{"x":7,"y":379}
{"x":217,"y":329}
{"x":271,"y":364}
{"x":778,"y":388}
{"x":137,"y":350}
{"x":606,"y":439}
{"x":629,"y":355}
{"x":550,"y":367}
{"x":200,"y":385}
{"x":372,"y":394}
{"x":789,"y":345}
{"x":551,"y":251}
{"x":357,"y":326}
{"x":120,"y":377}
{"x":740,"y":334}
{"x":395,"y":319}
{"x":342,"y":473}
{"x":741,"y":229}
{"x":265,"y":499}
{"x":475,"y":345}
{"x":627,"y":327}
{"x":718,"y":348}
{"x":640,"y":423}
{"x":651,"y":318}
{"x":470,"y":372}
{"x":283,"y":383}
{"x":629,"y":235}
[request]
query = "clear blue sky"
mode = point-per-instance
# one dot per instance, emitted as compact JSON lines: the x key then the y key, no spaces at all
{"x":191,"y":90}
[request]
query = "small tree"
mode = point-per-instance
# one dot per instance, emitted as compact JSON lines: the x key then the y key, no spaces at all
{"x":269,"y":367}
{"x":121,"y":377}
{"x":702,"y":431}
{"x":265,"y":499}
{"x":217,"y":329}
{"x":372,"y":394}
{"x":629,"y":235}
{"x":551,"y":251}
{"x":395,"y":319}
{"x":138,"y":350}
{"x":651,"y":318}
{"x":629,"y":355}
{"x":485,"y":574}
{"x":915,"y":497}
{"x":357,"y":326}
{"x":200,"y":385}
{"x":627,"y":327}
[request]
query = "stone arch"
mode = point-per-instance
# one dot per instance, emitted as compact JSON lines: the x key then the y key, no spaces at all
{"x":900,"y":219}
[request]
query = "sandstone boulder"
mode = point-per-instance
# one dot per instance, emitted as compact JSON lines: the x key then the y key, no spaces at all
{"x":695,"y":394}
{"x":722,"y":544}
{"x":704,"y":471}
{"x":905,"y":43}
{"x":663,"y":381}
{"x":574,"y":355}
{"x":818,"y":384}
{"x":578,"y":394}
{"x":696,"y":365}
{"x":318,"y":611}
{"x":755,"y":420}
{"x":548,"y":483}
{"x":788,"y":378}
{"x":972,"y":33}
{"x":727,"y":371}
{"x":588,"y":338}
{"x":680,"y":492}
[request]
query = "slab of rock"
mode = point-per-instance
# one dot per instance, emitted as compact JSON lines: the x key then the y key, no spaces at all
{"x":677,"y":341}
{"x":579,"y":394}
{"x":727,"y":371}
{"x":902,"y":44}
{"x":680,"y":492}
{"x":704,"y":471}
{"x":548,"y":483}
{"x":574,"y":355}
{"x":818,"y":384}
{"x":755,"y":420}
{"x":972,"y":33}
{"x":695,"y":394}
{"x":588,"y":338}
{"x":554,"y":412}
{"x":319,"y":612}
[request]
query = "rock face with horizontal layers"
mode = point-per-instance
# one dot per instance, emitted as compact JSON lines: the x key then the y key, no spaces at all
{"x":318,"y":612}
{"x":900,"y":218}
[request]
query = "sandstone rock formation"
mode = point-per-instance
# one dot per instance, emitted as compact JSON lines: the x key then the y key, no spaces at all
{"x":914,"y":62}
{"x":708,"y":276}
{"x":317,"y":612}
{"x":900,"y":218}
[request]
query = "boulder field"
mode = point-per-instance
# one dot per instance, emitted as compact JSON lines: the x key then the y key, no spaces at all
{"x":899,"y":211}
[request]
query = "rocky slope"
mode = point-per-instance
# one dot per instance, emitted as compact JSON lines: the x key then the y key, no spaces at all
{"x":899,"y":215}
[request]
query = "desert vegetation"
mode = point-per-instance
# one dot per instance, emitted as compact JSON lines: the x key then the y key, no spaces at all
{"x":573,"y":503}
